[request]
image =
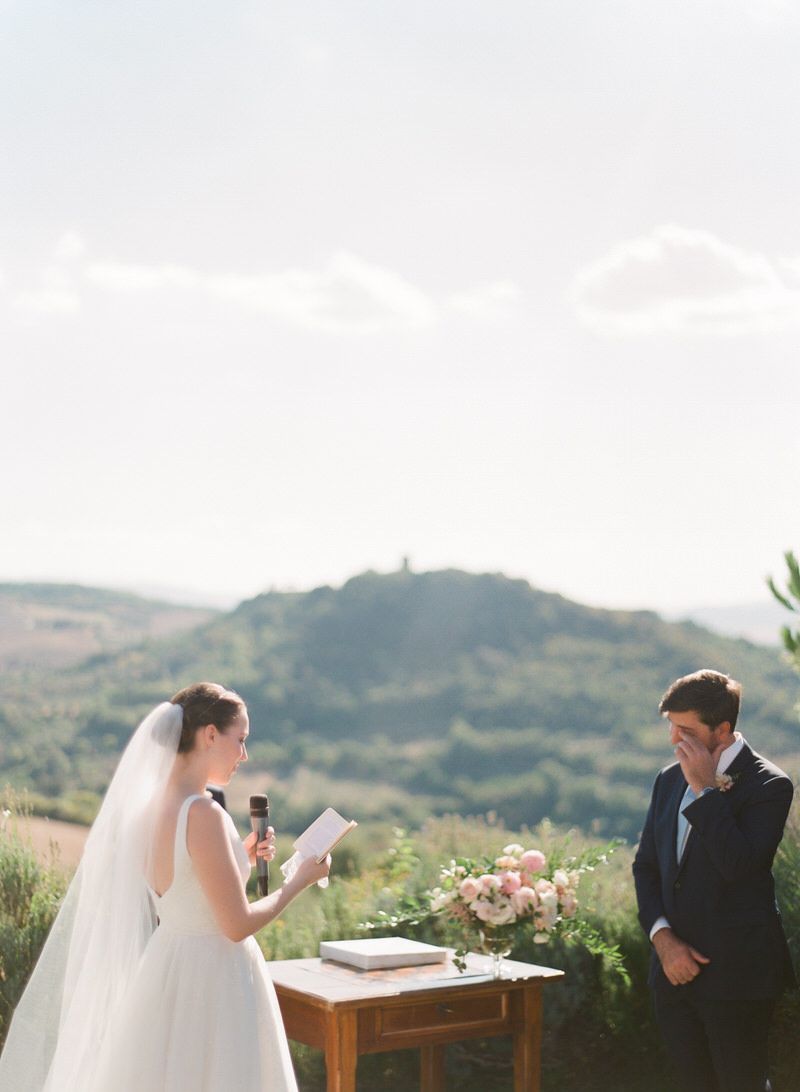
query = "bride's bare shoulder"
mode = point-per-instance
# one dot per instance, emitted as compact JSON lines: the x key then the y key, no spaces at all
{"x":206,"y":817}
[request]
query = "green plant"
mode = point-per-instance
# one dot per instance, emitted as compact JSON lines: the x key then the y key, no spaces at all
{"x":30,"y":893}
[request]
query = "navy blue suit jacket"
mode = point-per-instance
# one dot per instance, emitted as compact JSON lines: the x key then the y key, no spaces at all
{"x":720,"y":898}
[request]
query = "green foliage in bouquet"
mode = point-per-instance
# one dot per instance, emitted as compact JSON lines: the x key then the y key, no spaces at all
{"x":504,"y":902}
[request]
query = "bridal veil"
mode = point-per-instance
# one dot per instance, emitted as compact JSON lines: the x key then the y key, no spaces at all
{"x":100,"y":932}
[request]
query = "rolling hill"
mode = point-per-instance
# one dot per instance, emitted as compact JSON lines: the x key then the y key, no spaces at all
{"x":405,"y":694}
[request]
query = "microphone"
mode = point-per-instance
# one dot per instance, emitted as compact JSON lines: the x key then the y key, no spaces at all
{"x":259,"y":820}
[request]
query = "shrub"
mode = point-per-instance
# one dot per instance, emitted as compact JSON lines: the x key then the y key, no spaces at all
{"x":30,"y":892}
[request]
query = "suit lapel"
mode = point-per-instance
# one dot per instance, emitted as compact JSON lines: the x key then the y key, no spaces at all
{"x":672,"y":812}
{"x":741,"y":764}
{"x":737,"y":769}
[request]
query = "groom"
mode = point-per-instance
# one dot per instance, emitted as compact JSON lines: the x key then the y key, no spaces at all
{"x":705,"y":891}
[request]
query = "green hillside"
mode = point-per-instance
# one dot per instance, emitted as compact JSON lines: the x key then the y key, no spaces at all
{"x":402,"y":695}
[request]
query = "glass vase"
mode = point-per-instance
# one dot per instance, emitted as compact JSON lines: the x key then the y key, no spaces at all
{"x":497,"y":944}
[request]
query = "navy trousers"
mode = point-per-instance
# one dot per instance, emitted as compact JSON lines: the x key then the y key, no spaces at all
{"x":716,"y":1046}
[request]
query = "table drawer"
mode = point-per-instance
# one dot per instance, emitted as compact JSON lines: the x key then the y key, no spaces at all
{"x":463,"y":1014}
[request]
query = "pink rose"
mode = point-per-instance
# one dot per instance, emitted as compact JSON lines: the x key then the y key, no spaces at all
{"x":470,"y":888}
{"x":545,"y":918}
{"x":489,"y":883}
{"x":510,"y":882}
{"x":482,"y":910}
{"x":524,"y":901}
{"x":531,"y":861}
{"x":505,"y":862}
{"x":547,"y":893}
{"x":569,"y":906}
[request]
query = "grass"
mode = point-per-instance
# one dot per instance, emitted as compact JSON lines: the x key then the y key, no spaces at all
{"x":30,"y":894}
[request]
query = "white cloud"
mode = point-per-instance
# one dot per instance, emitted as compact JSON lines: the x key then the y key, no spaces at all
{"x":50,"y":301}
{"x":127,"y":277}
{"x":344,"y":295}
{"x":487,"y":301}
{"x":685,"y":281}
{"x":70,"y":247}
{"x":348,"y":295}
{"x":55,"y":296}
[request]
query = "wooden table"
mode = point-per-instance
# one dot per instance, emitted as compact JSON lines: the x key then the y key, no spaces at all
{"x":346,"y":1012}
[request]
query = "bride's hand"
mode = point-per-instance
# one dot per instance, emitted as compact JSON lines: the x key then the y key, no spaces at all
{"x":265,"y":849}
{"x":308,"y":871}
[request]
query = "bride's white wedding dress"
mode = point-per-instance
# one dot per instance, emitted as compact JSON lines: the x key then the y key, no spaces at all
{"x":201,"y":1014}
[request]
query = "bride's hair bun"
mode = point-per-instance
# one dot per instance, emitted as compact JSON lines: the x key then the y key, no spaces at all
{"x":205,"y":703}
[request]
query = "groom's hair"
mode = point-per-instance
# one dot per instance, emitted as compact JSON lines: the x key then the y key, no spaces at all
{"x":713,"y":696}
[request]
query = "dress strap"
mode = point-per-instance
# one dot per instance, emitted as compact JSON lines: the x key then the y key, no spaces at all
{"x":181,"y":849}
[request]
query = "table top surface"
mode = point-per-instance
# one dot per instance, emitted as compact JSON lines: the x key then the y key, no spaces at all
{"x":336,"y":983}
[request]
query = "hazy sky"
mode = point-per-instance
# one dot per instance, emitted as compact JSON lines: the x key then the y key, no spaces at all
{"x":292,"y":289}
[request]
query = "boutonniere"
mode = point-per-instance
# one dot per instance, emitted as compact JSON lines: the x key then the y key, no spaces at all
{"x":726,"y":781}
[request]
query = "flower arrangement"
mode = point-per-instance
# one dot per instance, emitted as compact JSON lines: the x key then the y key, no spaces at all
{"x":493,"y":902}
{"x":514,"y":888}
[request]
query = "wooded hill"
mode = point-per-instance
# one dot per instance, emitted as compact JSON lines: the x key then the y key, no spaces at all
{"x":401,"y":695}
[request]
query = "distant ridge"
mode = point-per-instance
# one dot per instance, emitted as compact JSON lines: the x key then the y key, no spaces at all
{"x":757,"y":622}
{"x":410,"y":694}
{"x":59,"y":625}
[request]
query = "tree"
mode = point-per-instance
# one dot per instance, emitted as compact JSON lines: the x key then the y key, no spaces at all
{"x":791,"y":600}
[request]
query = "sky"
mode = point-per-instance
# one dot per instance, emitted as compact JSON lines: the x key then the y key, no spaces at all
{"x":291,"y":290}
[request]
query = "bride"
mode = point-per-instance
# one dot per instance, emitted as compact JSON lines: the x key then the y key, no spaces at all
{"x":150,"y":979}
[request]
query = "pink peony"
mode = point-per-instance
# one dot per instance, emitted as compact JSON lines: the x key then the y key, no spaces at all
{"x":489,"y":883}
{"x":470,"y":888}
{"x":531,"y":861}
{"x":524,"y":900}
{"x":547,"y":893}
{"x":510,"y":882}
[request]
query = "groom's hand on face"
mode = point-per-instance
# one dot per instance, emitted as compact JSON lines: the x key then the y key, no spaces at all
{"x":699,"y":765}
{"x":680,"y":961}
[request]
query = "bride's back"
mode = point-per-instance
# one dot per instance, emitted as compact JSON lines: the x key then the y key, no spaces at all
{"x":162,"y":863}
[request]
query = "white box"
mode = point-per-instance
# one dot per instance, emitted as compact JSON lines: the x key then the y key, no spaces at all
{"x":381,"y":952}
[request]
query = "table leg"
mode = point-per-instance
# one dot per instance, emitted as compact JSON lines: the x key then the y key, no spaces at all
{"x":341,"y":1050}
{"x":431,"y":1072}
{"x":528,"y":1041}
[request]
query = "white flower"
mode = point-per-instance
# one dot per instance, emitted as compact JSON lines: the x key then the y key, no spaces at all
{"x":502,"y":913}
{"x":548,"y":896}
{"x":725,"y":782}
{"x":514,"y":850}
{"x":560,"y":878}
{"x":440,"y":899}
{"x":482,"y":910}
